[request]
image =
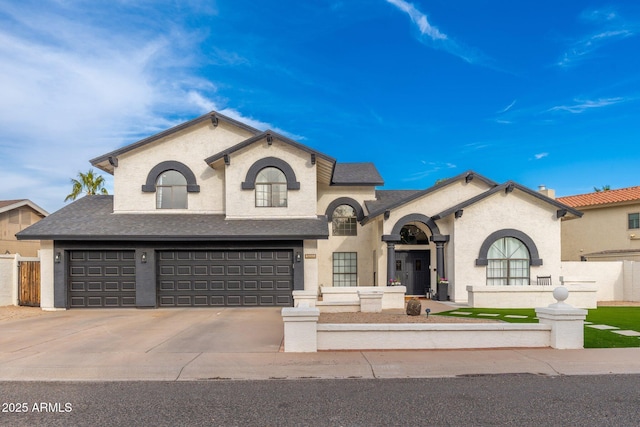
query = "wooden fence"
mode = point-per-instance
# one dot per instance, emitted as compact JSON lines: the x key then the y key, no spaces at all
{"x":29,"y":283}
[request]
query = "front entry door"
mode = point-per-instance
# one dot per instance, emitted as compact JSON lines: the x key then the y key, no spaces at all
{"x":412,"y":269}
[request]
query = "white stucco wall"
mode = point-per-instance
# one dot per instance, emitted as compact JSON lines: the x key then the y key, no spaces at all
{"x":8,"y":279}
{"x":608,"y":277}
{"x":310,"y":259}
{"x":242,"y":203}
{"x":363,"y":244}
{"x":515,"y":210}
{"x":46,"y":275}
{"x":191,"y":147}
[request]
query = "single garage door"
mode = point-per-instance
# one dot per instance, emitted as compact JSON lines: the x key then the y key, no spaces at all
{"x":225,"y":278}
{"x":102,"y":279}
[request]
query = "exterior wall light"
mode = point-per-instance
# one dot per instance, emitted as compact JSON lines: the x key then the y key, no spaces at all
{"x":298,"y":257}
{"x":58,"y":257}
{"x":143,"y":258}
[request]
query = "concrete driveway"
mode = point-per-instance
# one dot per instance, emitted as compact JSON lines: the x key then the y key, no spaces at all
{"x":176,"y":330}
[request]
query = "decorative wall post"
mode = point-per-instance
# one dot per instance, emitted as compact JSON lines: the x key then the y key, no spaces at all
{"x":567,"y":322}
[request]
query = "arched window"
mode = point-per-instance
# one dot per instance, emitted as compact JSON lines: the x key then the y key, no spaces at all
{"x":171,"y":190}
{"x":345,"y":221}
{"x":508,"y":262}
{"x":271,"y":188}
{"x":411,"y":234}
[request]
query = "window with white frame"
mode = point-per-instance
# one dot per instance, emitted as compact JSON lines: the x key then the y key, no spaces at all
{"x":508,"y":263}
{"x":634,"y":220}
{"x":345,"y":269}
{"x":345,"y":221}
{"x":271,"y":188}
{"x":171,"y":190}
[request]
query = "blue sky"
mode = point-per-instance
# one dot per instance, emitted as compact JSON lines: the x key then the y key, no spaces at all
{"x":544,"y":92}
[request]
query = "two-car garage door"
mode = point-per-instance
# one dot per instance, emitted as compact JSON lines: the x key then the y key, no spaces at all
{"x":225,"y":278}
{"x":184,"y":278}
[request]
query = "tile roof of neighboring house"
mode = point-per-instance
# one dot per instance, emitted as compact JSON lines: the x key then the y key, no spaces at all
{"x":602,"y":197}
{"x":356,"y":174}
{"x":92,"y":218}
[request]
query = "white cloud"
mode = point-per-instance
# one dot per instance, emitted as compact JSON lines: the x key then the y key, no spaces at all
{"x":581,"y":106}
{"x":76,"y":84}
{"x":508,"y":107}
{"x":419,"y":18}
{"x":433,"y":37}
{"x":431,"y":168}
{"x":540,"y":156}
{"x":611,"y":28}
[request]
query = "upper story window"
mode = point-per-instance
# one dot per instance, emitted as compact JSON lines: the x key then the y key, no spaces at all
{"x":634,"y":220}
{"x":508,"y":262}
{"x":345,"y":221}
{"x":171,"y":190}
{"x":271,"y":188}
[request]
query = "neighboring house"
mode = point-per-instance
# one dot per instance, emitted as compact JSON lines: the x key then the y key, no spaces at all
{"x":609,"y":229}
{"x":216,"y":213}
{"x":16,"y":215}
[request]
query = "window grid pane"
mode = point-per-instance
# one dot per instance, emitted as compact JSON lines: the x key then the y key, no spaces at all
{"x":171,"y":191}
{"x":345,"y":269}
{"x":634,"y":220}
{"x":508,"y":263}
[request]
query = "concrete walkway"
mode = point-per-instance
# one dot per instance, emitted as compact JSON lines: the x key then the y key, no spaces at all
{"x":203,"y":344}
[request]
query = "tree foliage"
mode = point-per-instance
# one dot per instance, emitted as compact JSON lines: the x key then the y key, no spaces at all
{"x":603,"y":188}
{"x":88,"y":184}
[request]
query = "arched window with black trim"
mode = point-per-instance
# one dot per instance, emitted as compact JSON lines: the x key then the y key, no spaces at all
{"x":171,"y":190}
{"x":345,"y":221}
{"x":271,"y":188}
{"x":508,"y":263}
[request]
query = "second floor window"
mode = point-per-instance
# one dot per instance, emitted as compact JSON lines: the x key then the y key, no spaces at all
{"x":344,"y":221}
{"x":271,"y":188}
{"x":171,"y":191}
{"x":634,"y":220}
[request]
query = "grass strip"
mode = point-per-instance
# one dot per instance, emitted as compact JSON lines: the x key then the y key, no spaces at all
{"x":626,"y":318}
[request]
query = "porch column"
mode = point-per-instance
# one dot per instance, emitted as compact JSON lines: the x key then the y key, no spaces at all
{"x":391,"y":261}
{"x":440,"y":240}
{"x":391,"y":255}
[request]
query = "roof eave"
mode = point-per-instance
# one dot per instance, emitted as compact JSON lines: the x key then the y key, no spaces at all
{"x":99,"y":161}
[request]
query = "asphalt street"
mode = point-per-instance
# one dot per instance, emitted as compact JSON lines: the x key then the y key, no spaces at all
{"x":485,"y":400}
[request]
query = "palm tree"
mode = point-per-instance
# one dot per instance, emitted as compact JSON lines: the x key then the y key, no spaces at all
{"x":603,"y":188}
{"x":87,"y":183}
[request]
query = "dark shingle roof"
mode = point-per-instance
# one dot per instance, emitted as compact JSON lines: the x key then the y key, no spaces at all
{"x":386,"y":198}
{"x":263,"y":135}
{"x":356,"y":174}
{"x":92,"y":218}
{"x":507,"y":186}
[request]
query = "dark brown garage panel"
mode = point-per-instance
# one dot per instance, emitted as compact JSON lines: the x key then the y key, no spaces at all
{"x":102,"y":279}
{"x":225,"y":278}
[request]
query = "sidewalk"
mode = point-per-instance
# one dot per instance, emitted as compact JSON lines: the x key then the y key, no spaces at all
{"x":204,"y":344}
{"x":328,"y":365}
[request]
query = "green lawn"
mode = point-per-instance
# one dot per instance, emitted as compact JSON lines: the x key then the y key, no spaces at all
{"x":621,"y":317}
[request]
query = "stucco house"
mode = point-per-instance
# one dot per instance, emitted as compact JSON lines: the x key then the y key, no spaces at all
{"x":16,"y":215}
{"x":216,"y":213}
{"x":609,"y":229}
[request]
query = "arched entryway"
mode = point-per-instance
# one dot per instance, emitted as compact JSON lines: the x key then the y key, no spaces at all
{"x":414,"y":265}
